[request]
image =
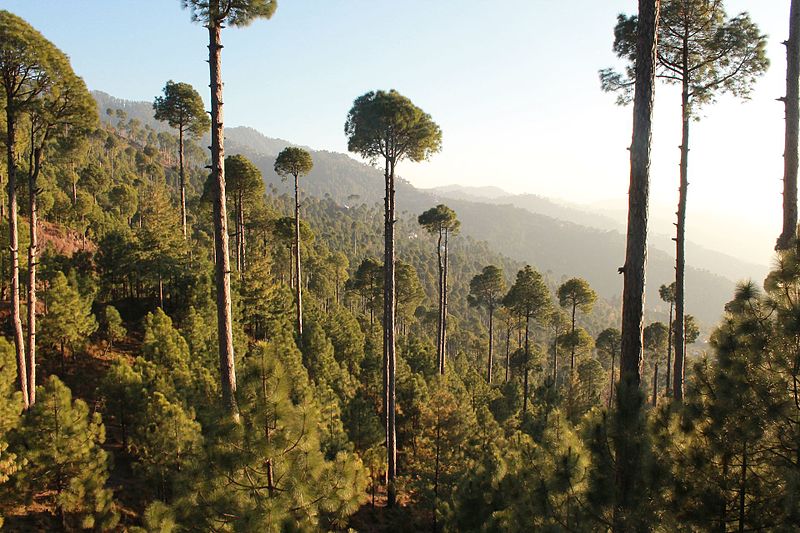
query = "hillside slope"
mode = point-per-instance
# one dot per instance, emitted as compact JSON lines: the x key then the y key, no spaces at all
{"x":560,"y":247}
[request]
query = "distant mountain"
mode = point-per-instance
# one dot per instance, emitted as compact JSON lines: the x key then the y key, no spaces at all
{"x":526,"y":228}
{"x":726,"y":265}
{"x":531,"y":202}
{"x":469,"y":193}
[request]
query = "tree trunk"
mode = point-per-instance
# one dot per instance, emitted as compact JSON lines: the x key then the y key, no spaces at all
{"x":74,"y":185}
{"x":436,"y":475}
{"x":388,"y":333}
{"x":655,"y":384}
{"x":16,"y":320}
{"x":444,"y":306}
{"x":508,"y":351}
{"x":743,"y":488}
{"x":33,"y":250}
{"x":242,"y":237}
{"x":440,"y":321}
{"x":669,"y":351}
{"x":183,"y":180}
{"x":222,"y":268}
{"x":527,"y":357}
{"x":680,"y":243}
{"x":613,"y":369}
{"x":291,"y":266}
{"x":236,"y":234}
{"x":572,"y":347}
{"x":627,"y":445}
{"x":298,"y":287}
{"x":723,"y":515}
{"x":491,"y":345}
{"x":790,"y":152}
{"x":555,"y":359}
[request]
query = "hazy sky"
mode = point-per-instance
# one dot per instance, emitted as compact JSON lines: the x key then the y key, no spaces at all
{"x":512,"y":83}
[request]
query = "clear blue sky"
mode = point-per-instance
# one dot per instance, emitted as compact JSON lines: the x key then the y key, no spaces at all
{"x":513,"y":84}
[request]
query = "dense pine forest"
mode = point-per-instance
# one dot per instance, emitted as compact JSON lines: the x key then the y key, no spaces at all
{"x":199,"y":336}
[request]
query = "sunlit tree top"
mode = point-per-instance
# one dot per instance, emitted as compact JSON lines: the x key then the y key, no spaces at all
{"x":231,"y":12}
{"x":386,"y":124}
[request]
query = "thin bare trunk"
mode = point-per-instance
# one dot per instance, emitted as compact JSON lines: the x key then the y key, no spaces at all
{"x":440,"y":322}
{"x":436,"y":474}
{"x":613,"y":370}
{"x":743,"y":488}
{"x":222,"y":268}
{"x":74,"y":176}
{"x":298,"y":284}
{"x":555,"y":358}
{"x":669,"y":351}
{"x":790,"y":152}
{"x":16,"y":320}
{"x":527,"y":360}
{"x":388,"y":333}
{"x":627,"y":445}
{"x":655,"y":384}
{"x":572,"y":347}
{"x":508,"y":350}
{"x":236,"y":234}
{"x":444,"y":306}
{"x":491,"y":345}
{"x":33,"y":250}
{"x":183,"y":180}
{"x":243,"y":238}
{"x":680,"y":242}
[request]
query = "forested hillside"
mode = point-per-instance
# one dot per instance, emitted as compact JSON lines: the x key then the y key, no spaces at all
{"x":261,"y":342}
{"x":542,"y":236}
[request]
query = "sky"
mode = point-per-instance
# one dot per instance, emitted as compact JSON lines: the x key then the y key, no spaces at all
{"x":512,"y":83}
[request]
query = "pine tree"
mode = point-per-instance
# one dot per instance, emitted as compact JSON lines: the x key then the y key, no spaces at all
{"x":544,"y":481}
{"x":442,"y":222}
{"x":707,"y":54}
{"x":269,"y":471}
{"x":629,"y":446}
{"x":295,"y":162}
{"x":168,"y":367}
{"x":576,"y":294}
{"x":608,"y":343}
{"x":246,"y":187}
{"x":29,"y":67}
{"x":442,"y":452}
{"x":389,"y":126}
{"x":162,"y":252}
{"x":790,"y":151}
{"x":63,"y":112}
{"x":215,"y":14}
{"x":69,"y":318}
{"x":667,"y":294}
{"x":529,"y":299}
{"x":10,"y":408}
{"x":655,"y":340}
{"x":182,"y":108}
{"x":122,"y":389}
{"x":111,"y":325}
{"x":367,"y":283}
{"x":166,"y":439}
{"x":486,"y":290}
{"x":66,"y":467}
